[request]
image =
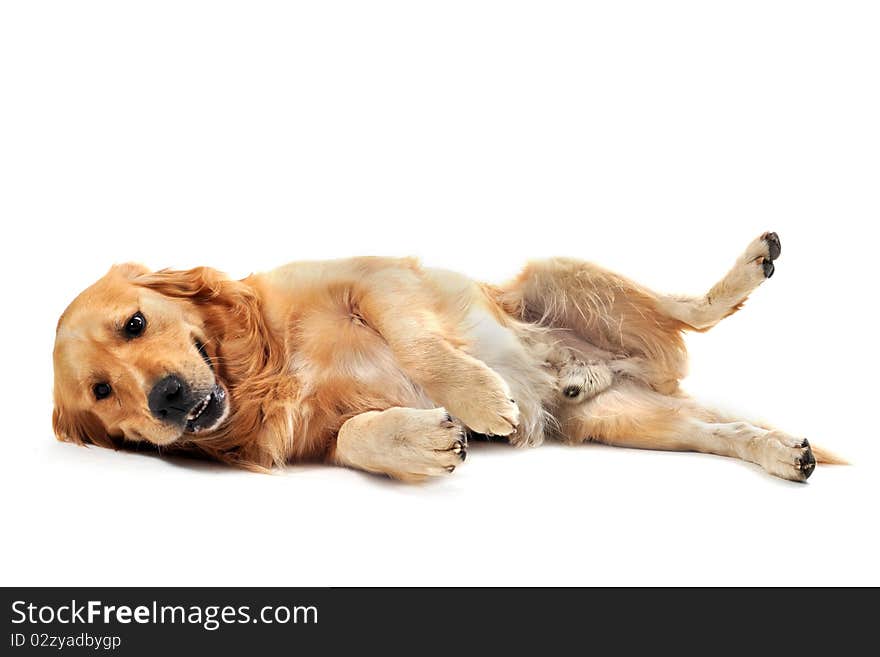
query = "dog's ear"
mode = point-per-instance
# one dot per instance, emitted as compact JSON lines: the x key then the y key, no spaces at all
{"x":81,"y":428}
{"x":129,"y":270}
{"x":198,"y":284}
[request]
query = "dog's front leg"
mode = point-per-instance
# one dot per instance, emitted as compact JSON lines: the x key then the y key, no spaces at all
{"x":405,"y":443}
{"x":427,"y":349}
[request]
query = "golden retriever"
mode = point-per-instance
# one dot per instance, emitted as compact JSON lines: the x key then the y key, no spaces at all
{"x":382,"y":365}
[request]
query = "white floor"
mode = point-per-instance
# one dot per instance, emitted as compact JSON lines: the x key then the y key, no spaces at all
{"x":555,"y":516}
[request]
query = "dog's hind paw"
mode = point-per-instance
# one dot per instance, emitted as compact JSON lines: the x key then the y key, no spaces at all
{"x":774,"y":246}
{"x":758,"y":259}
{"x":579,"y":381}
{"x":788,"y":457}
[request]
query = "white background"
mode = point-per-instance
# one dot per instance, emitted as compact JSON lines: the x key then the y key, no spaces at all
{"x":655,"y":138}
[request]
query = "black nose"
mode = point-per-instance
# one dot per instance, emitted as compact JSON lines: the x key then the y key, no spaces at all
{"x":170,"y":400}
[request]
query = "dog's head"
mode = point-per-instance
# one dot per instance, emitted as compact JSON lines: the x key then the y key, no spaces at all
{"x":135,"y":358}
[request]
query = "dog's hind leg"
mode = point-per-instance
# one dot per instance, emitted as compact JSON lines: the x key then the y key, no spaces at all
{"x":618,"y":315}
{"x":752,"y":268}
{"x":602,"y":309}
{"x":630,"y":415}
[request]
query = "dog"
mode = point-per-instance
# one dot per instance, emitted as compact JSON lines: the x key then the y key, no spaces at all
{"x":385,"y":366}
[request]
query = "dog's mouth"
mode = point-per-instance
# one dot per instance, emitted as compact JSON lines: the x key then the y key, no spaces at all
{"x":209,"y":412}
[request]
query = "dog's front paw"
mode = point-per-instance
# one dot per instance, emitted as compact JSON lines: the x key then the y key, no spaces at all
{"x":404,"y":443}
{"x":787,"y":457}
{"x":428,"y":443}
{"x":486,"y":406}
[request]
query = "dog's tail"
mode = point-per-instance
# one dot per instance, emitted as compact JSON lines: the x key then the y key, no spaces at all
{"x":824,"y":456}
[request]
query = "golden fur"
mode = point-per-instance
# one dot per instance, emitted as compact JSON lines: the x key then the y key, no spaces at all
{"x":379,"y":364}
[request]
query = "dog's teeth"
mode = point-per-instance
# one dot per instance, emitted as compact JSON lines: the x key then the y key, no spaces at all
{"x":198,"y":410}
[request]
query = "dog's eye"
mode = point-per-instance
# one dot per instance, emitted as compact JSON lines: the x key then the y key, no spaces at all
{"x":102,"y":390}
{"x":135,"y":325}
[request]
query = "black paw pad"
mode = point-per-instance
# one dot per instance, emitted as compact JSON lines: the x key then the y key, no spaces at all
{"x":769,"y":268}
{"x":774,"y":245}
{"x":572,"y":391}
{"x":807,"y":463}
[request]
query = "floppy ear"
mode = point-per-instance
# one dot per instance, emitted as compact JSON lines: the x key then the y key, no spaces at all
{"x":129,"y":270}
{"x":81,"y":428}
{"x":198,"y":284}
